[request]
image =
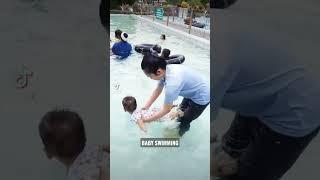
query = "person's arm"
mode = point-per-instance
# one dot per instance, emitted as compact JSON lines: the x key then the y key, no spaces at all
{"x":224,"y":73}
{"x":141,"y":125}
{"x":155,"y":94}
{"x":164,"y":110}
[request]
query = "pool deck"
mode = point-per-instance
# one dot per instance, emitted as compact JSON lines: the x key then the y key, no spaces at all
{"x":201,"y":38}
{"x":200,"y":32}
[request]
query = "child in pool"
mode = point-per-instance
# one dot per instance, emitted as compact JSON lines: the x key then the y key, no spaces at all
{"x":117,"y":35}
{"x":165,"y":54}
{"x":122,"y":48}
{"x":163,"y":37}
{"x":64,"y":138}
{"x":130,"y":105}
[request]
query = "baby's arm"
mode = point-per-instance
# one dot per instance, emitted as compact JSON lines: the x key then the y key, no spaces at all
{"x":141,"y":125}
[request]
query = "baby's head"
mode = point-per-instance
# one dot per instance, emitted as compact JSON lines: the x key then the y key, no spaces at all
{"x":63,"y":135}
{"x":163,"y":37}
{"x":129,"y":104}
{"x":165,"y":53}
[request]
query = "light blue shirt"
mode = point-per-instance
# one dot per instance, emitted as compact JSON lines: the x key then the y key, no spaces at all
{"x":266,"y":64}
{"x":182,"y":81}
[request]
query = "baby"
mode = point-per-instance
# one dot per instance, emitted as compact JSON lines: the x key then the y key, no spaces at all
{"x":130,"y":105}
{"x":64,"y":138}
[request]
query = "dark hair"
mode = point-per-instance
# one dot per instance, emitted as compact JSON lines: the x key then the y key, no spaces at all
{"x":117,"y":33}
{"x":163,"y":36}
{"x":165,"y":53}
{"x":129,"y":103}
{"x":157,"y":48}
{"x":62,"y":133}
{"x":151,"y":63}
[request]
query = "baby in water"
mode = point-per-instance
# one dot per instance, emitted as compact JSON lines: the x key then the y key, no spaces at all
{"x":64,"y":138}
{"x":130,"y":105}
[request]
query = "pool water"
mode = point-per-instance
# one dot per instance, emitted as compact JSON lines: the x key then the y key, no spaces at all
{"x":128,"y":160}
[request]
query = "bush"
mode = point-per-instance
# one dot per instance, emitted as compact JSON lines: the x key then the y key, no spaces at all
{"x":164,"y":4}
{"x":184,"y":4}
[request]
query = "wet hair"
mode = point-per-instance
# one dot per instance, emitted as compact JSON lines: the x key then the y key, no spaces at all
{"x":165,"y":53}
{"x":157,"y":48}
{"x":62,"y":133}
{"x":163,"y":36}
{"x":129,"y":103}
{"x":117,"y":33}
{"x":151,"y":63}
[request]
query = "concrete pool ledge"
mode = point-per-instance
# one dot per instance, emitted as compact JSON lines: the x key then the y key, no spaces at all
{"x":204,"y":43}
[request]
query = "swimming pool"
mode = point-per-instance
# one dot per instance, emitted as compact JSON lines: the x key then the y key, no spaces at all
{"x":128,"y":160}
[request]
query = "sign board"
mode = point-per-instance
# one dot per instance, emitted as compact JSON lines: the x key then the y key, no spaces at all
{"x":159,"y":13}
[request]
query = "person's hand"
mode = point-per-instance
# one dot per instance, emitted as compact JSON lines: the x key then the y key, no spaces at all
{"x":173,"y":115}
{"x":141,"y":122}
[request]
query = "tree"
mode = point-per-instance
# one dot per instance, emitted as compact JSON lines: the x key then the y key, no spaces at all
{"x":205,"y":2}
{"x":115,"y":4}
{"x":194,"y":3}
{"x":174,"y":2}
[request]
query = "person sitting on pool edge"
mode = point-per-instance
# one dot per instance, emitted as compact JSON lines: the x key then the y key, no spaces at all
{"x":122,"y":48}
{"x":130,"y":105}
{"x":64,"y":138}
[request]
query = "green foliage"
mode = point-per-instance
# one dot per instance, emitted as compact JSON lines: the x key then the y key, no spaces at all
{"x":115,"y":4}
{"x":184,"y":4}
{"x":205,"y":2}
{"x":174,"y":2}
{"x":194,"y":3}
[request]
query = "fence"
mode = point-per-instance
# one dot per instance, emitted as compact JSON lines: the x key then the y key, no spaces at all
{"x":178,"y":18}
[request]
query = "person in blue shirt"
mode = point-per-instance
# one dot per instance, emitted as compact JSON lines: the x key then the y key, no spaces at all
{"x":122,"y":48}
{"x":177,"y":80}
{"x":267,"y":75}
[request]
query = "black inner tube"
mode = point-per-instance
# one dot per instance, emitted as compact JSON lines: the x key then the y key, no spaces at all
{"x":144,"y":48}
{"x":175,"y":59}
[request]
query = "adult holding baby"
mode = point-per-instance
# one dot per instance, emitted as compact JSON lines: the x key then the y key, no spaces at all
{"x":177,"y":80}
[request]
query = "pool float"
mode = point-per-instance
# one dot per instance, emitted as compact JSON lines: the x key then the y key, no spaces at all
{"x":175,"y":59}
{"x":144,"y":48}
{"x":121,"y":49}
{"x":199,"y":25}
{"x":194,"y":23}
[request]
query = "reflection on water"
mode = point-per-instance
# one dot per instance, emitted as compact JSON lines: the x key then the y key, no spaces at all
{"x":128,"y":159}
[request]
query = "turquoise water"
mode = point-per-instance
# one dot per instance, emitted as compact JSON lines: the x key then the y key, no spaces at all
{"x":128,"y":160}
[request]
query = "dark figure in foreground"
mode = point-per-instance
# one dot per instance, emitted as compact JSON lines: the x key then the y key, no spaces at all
{"x":64,"y":138}
{"x":267,"y":76}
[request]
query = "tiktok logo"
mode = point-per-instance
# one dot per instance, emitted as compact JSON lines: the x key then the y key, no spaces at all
{"x":23,"y":79}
